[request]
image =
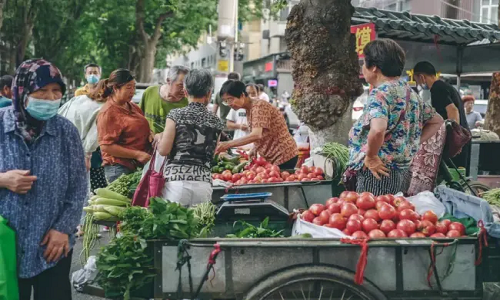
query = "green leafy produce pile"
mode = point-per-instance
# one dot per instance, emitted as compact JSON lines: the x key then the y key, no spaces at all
{"x":339,"y":154}
{"x":493,"y":197}
{"x":126,"y":183}
{"x":205,"y":213}
{"x":251,"y":231}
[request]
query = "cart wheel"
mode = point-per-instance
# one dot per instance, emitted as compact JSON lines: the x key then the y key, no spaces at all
{"x":314,"y":282}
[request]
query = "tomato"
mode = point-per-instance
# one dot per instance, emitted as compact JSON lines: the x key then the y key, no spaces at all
{"x":218,"y":176}
{"x":351,"y":197}
{"x":285,"y":175}
{"x":379,"y":204}
{"x":318,"y":172}
{"x":260,"y":170}
{"x":274,"y":174}
{"x":438,"y":235}
{"x":372,"y":214}
{"x":325,"y":216}
{"x":383,"y":198}
{"x":305,"y":180}
{"x":359,"y":235}
{"x":417,"y":235}
{"x":367,"y":194}
{"x":331,"y":200}
{"x":397,"y":233}
{"x":334,"y":208}
{"x":408,"y":214}
{"x":353,"y":225}
{"x":311,"y":176}
{"x":251,"y":175}
{"x":398,"y":200}
{"x":428,"y":228}
{"x":441,"y":228}
{"x":387,"y":212}
{"x":348,"y":209}
{"x":268,"y":166}
{"x":316,"y":209}
{"x":376,"y":234}
{"x":320,"y":177}
{"x":275,"y":169}
{"x":302,"y":176}
{"x":346,"y":232}
{"x":369,"y":224}
{"x":337,"y":221}
{"x":453,"y":233}
{"x":318,"y":221}
{"x":357,"y":217}
{"x":312,"y":169}
{"x":407,"y":226}
{"x":430,"y":216}
{"x":260,"y":161}
{"x":305,"y":169}
{"x":446,"y":222}
{"x":328,"y":225}
{"x":360,"y":211}
{"x":458,"y":227}
{"x":344,"y":194}
{"x":236,"y":177}
{"x":405,"y":205}
{"x":227,"y":176}
{"x":365,"y":202}
{"x":307,"y":215}
{"x":387,"y":226}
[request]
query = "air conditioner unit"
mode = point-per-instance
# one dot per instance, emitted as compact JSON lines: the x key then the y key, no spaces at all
{"x":265,"y":34}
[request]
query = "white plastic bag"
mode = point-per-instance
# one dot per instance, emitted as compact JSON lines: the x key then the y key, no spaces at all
{"x":425,"y":201}
{"x":300,"y":227}
{"x":84,"y":276}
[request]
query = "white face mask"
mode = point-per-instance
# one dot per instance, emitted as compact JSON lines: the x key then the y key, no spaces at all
{"x":42,"y":109}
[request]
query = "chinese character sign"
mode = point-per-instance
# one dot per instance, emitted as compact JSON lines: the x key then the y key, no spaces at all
{"x":364,"y":33}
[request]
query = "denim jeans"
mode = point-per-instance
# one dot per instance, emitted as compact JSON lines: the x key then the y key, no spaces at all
{"x":113,"y":172}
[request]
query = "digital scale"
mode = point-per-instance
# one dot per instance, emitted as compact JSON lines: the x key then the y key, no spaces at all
{"x":251,"y":208}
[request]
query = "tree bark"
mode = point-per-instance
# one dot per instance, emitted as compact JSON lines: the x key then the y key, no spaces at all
{"x":2,"y":3}
{"x":492,"y":120}
{"x":326,"y":67}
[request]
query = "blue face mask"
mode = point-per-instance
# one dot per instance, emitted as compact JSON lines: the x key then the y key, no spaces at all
{"x":92,"y":79}
{"x":42,"y":110}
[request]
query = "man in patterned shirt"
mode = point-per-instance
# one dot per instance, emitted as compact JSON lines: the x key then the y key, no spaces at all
{"x":268,"y":130}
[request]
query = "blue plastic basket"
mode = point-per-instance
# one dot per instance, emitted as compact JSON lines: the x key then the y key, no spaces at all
{"x":246,"y":197}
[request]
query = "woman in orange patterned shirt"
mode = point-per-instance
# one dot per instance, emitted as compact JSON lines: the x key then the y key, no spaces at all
{"x":268,"y":130}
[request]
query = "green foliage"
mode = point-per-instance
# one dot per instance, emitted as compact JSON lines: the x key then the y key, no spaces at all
{"x":251,"y":231}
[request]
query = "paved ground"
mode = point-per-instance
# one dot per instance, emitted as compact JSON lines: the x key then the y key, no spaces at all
{"x":76,"y":265}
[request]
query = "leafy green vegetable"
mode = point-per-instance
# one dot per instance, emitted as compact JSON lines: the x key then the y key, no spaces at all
{"x":250,"y":231}
{"x":339,"y":154}
{"x":205,"y":213}
{"x":126,"y":183}
{"x":492,"y":196}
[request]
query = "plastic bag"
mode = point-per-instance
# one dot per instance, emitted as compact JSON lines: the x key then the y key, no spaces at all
{"x":8,"y":266}
{"x":85,"y":276}
{"x":301,"y":227}
{"x":425,"y":201}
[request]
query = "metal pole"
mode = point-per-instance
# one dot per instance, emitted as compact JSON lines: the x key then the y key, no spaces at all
{"x":234,"y":45}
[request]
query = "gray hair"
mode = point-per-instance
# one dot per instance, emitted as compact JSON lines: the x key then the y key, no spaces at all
{"x":175,"y":71}
{"x":198,"y":83}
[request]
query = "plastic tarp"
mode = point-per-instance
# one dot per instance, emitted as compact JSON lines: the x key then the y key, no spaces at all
{"x":8,"y":265}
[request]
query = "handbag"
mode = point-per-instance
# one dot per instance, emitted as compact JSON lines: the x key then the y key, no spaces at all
{"x":456,"y":138}
{"x":151,"y":184}
{"x":8,"y":262}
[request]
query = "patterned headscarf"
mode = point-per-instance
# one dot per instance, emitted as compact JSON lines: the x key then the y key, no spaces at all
{"x":31,"y":76}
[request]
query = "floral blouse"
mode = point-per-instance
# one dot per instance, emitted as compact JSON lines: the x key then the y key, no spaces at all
{"x":406,"y":115}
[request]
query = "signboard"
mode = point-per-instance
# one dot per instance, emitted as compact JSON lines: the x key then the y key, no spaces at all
{"x":364,"y":33}
{"x":411,"y":77}
{"x":223,"y":66}
{"x":268,"y":67}
{"x":272,"y":83}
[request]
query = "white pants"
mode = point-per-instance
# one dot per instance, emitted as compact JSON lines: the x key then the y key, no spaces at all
{"x":187,"y":193}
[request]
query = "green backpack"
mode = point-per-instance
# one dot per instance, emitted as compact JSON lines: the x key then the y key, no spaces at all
{"x":8,"y":265}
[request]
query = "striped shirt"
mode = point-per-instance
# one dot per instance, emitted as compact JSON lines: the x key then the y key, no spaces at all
{"x":56,"y":198}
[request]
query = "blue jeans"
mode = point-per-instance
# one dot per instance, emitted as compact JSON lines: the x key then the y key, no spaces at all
{"x":113,"y":172}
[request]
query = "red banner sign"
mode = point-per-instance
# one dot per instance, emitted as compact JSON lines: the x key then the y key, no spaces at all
{"x":364,"y":33}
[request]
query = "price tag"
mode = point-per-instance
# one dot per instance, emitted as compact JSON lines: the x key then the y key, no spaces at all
{"x":242,"y":211}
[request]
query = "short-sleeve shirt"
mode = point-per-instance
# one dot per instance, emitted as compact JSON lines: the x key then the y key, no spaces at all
{"x":406,"y":115}
{"x":196,"y":134}
{"x":224,"y":109}
{"x":239,"y":117}
{"x":156,"y":109}
{"x":277,"y":144}
{"x":444,"y":94}
{"x":126,"y":127}
{"x":472,"y":118}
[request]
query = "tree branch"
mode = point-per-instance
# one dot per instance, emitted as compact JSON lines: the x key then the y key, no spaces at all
{"x":139,"y":21}
{"x":161,"y":18}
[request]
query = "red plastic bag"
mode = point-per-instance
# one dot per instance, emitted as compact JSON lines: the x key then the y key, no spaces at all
{"x":151,"y":184}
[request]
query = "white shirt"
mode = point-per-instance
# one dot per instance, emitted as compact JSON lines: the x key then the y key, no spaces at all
{"x":264,"y":96}
{"x":82,"y":112}
{"x":239,"y":117}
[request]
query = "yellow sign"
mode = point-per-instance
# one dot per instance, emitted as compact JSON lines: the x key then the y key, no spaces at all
{"x":223,"y":66}
{"x":411,"y":78}
{"x":364,"y":33}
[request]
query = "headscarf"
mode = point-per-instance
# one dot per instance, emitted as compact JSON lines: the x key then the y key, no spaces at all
{"x":31,"y":76}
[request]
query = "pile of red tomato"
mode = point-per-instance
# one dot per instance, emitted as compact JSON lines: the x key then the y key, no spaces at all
{"x":365,"y":216}
{"x":263,"y":172}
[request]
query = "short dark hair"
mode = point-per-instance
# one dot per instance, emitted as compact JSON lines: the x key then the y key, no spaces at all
{"x":233,"y":76}
{"x":117,"y":79}
{"x":386,"y":55}
{"x":198,"y":83}
{"x":424,"y":67}
{"x":260,"y":86}
{"x":233,"y":88}
{"x":91,"y":66}
{"x":6,"y":80}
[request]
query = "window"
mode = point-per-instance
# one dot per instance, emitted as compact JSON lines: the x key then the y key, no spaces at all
{"x":489,"y":11}
{"x":399,"y":5}
{"x":203,"y":62}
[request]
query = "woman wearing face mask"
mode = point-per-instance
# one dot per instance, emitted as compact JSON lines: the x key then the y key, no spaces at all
{"x":42,"y":180}
{"x":189,"y":141}
{"x":124,"y":134}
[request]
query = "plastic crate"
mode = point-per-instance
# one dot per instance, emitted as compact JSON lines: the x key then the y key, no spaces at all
{"x":461,"y":205}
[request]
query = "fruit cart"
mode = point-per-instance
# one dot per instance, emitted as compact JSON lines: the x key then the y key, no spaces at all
{"x":304,"y":268}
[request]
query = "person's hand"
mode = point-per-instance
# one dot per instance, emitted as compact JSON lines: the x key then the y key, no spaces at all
{"x":157,"y":139}
{"x":222,"y":147}
{"x":376,"y":166}
{"x":253,"y":153}
{"x":143,"y":157}
{"x":244,"y":127}
{"x":479,"y":124}
{"x":57,"y":244}
{"x":87,"y":162}
{"x":17,"y":181}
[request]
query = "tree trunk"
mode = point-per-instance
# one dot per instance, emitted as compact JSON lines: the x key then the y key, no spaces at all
{"x":2,"y":3}
{"x":326,"y":67}
{"x":492,"y":121}
{"x":146,"y":63}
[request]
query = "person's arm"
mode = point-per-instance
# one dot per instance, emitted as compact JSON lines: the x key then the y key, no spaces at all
{"x":431,"y":127}
{"x":452,"y":112}
{"x":376,"y":135}
{"x":252,"y":137}
{"x":167,"y":139}
{"x":216,"y":104}
{"x":233,"y":126}
{"x":17,"y":181}
{"x":122,"y":152}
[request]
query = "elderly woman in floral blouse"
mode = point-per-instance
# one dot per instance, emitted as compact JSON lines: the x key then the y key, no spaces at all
{"x":393,"y":124}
